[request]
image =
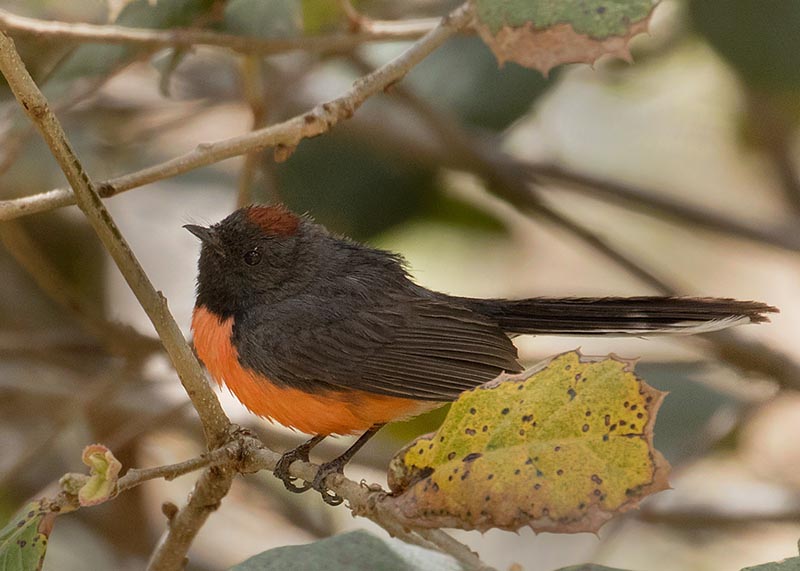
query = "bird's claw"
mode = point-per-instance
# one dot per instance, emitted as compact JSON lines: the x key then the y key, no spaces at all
{"x":325,"y":470}
{"x":282,"y":470}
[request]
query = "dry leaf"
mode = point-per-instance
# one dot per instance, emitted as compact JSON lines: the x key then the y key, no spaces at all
{"x":563,"y":450}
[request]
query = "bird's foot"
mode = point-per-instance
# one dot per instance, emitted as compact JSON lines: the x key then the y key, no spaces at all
{"x":335,"y":466}
{"x":282,"y":469}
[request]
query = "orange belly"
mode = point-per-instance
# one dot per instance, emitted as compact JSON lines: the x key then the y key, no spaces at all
{"x":324,"y":412}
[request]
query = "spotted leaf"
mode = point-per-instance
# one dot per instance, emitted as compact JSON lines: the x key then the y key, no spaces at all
{"x":560,"y":449}
{"x":541,"y":34}
{"x":23,"y":541}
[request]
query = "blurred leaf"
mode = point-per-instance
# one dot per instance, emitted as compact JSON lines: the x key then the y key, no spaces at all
{"x":321,"y":15}
{"x":761,"y":41}
{"x":273,"y":19}
{"x":355,"y":551}
{"x":23,"y":541}
{"x":115,"y":7}
{"x":791,"y":564}
{"x":691,"y":405}
{"x":462,"y":78}
{"x":356,"y":189}
{"x":563,"y":450}
{"x":545,"y":33}
{"x":97,"y":60}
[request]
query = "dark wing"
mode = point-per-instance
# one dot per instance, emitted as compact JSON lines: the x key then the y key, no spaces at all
{"x":408,"y":347}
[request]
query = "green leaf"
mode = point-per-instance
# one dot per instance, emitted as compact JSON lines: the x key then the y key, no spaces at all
{"x":760,"y":41}
{"x":563,"y":449}
{"x":464,"y":95}
{"x":355,"y":551}
{"x":541,"y":34}
{"x":23,"y":541}
{"x":321,"y":15}
{"x":260,"y":19}
{"x":791,"y":564}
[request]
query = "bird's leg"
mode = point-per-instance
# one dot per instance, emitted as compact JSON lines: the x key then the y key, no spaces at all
{"x":300,"y":453}
{"x":336,"y":466}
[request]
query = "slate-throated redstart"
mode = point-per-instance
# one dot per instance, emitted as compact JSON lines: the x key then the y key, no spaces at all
{"x":328,"y":336}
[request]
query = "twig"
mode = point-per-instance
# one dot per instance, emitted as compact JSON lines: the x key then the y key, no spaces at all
{"x":189,"y":38}
{"x":599,"y":244}
{"x":247,"y":454}
{"x":361,"y":23}
{"x":445,"y":542}
{"x":284,"y":136}
{"x":650,"y":202}
{"x":254,"y":93}
{"x":688,"y":518}
{"x":208,"y":492}
{"x":365,"y":501}
{"x":137,"y":476}
{"x":215,"y":422}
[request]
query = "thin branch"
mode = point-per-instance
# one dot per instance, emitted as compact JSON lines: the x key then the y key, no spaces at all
{"x":137,"y":476}
{"x":445,"y":542}
{"x":702,"y":518}
{"x":365,"y":501}
{"x":254,"y":93}
{"x":284,"y":136}
{"x":206,"y":497}
{"x":377,"y":31}
{"x":246,"y":454}
{"x":598,"y":243}
{"x":659,"y":204}
{"x":215,"y":422}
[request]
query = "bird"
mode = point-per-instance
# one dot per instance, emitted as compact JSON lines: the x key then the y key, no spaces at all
{"x":329,"y":336}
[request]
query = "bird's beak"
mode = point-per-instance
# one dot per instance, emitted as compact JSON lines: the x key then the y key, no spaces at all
{"x":208,"y":236}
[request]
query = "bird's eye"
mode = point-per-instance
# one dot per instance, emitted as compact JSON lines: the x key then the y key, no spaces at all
{"x":253,"y":257}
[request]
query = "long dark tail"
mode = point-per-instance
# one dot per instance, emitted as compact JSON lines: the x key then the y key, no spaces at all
{"x":619,"y":315}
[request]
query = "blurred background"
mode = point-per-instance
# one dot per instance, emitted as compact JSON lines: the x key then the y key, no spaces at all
{"x":678,"y":174}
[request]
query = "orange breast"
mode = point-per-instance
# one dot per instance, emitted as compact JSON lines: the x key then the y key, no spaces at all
{"x":323,"y":412}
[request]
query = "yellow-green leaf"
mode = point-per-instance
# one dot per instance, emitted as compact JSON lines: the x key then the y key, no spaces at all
{"x":321,"y":15}
{"x":23,"y":541}
{"x":541,"y":34}
{"x":103,"y":474}
{"x":561,"y":449}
